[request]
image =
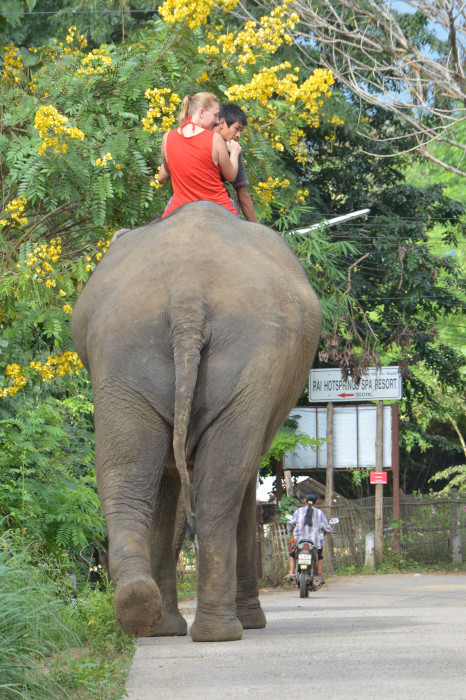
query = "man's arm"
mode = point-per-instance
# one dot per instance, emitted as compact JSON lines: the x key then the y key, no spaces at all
{"x":245,"y":203}
{"x":241,"y":188}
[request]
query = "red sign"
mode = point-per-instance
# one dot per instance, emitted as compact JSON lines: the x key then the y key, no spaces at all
{"x":378,"y":477}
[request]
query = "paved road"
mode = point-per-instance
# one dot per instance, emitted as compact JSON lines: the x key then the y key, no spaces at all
{"x":367,"y":637}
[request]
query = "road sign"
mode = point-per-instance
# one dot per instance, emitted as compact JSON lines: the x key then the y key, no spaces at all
{"x":354,"y":435}
{"x":377,"y":384}
{"x":378,"y":477}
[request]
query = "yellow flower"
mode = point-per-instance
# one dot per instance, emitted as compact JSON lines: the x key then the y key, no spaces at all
{"x":97,"y":61}
{"x":58,"y":366}
{"x":163,"y":103}
{"x":193,"y":12}
{"x":12,"y":65}
{"x":18,"y":380}
{"x":51,"y":125}
{"x":68,"y":309}
{"x":153,"y":182}
{"x":15,"y":209}
{"x":273,"y":80}
{"x":265,"y":190}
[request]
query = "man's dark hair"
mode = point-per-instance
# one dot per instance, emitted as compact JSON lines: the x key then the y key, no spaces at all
{"x":232,"y":113}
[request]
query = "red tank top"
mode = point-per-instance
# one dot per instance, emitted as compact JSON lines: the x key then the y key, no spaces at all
{"x":194,"y":174}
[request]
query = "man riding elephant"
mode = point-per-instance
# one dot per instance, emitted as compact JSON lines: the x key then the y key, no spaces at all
{"x":198,"y":332}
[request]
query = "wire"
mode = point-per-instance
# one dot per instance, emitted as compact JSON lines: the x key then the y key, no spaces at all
{"x":130,"y":11}
{"x":80,"y":12}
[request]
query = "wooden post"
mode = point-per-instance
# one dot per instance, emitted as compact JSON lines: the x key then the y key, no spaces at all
{"x":329,"y":473}
{"x":278,"y":480}
{"x":453,"y":512}
{"x":378,"y":547}
{"x":259,"y":558}
{"x":396,"y":474}
{"x":288,"y":482}
{"x":455,"y":540}
{"x":328,"y":548}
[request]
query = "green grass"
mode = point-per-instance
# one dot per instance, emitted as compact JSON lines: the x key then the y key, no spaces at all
{"x":100,"y":665}
{"x":54,"y":643}
{"x":399,"y":566}
{"x":31,"y":628}
{"x":187,"y":587}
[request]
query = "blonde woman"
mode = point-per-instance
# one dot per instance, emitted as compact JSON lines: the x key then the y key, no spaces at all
{"x":194,"y":156}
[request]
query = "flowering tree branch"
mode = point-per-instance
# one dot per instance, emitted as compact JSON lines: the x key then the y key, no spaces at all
{"x":381,"y":56}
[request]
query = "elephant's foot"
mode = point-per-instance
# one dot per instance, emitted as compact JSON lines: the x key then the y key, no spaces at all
{"x":212,"y":628}
{"x":251,"y":616}
{"x":172,"y":625}
{"x":138,"y":606}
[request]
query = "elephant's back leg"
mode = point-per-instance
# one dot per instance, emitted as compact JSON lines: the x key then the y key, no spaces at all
{"x":132,"y":443}
{"x":226,"y":462}
{"x":167,"y":528}
{"x":248,"y":608}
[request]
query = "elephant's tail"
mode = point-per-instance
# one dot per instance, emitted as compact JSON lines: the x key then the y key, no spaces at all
{"x":187,"y":322}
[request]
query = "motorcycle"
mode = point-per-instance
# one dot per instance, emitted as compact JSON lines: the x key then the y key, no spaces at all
{"x":306,"y":562}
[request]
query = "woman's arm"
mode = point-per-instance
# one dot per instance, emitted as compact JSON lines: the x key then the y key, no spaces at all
{"x":163,"y":176}
{"x":324,"y":523}
{"x":228,"y":162}
{"x":164,"y":172}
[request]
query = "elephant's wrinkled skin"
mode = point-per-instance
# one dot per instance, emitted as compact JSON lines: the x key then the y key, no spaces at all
{"x":199,"y":332}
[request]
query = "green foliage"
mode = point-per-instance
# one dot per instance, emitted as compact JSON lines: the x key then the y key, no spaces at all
{"x":56,"y":642}
{"x":286,"y":440}
{"x":48,"y":488}
{"x":186,"y":583}
{"x":456,"y":476}
{"x":399,"y":298}
{"x":288,"y":505}
{"x":358,"y":475}
{"x":31,"y":628}
{"x":429,"y":173}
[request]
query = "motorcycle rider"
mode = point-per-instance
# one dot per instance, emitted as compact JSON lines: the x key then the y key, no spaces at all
{"x":308,"y":524}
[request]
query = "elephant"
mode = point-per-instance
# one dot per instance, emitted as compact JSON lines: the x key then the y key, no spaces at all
{"x":198,"y":331}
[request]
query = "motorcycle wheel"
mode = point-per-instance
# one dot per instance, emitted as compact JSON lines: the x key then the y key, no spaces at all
{"x":303,"y":589}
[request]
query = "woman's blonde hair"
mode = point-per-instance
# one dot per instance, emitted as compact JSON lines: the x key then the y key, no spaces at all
{"x":192,"y":104}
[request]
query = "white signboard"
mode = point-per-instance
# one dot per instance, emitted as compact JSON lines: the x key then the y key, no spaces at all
{"x":328,"y":385}
{"x":354,"y":430}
